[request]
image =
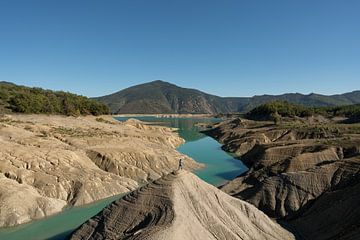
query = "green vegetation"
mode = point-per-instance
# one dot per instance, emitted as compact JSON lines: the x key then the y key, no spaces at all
{"x":163,"y":97}
{"x":352,"y":112}
{"x":100,"y":119}
{"x":20,"y":99}
{"x":276,"y":117}
{"x":277,"y":109}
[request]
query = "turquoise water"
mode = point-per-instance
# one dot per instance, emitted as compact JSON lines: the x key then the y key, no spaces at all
{"x":187,"y":126}
{"x":220,"y":167}
{"x":56,"y":227}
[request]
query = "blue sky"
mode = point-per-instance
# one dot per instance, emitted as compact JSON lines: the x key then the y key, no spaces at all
{"x":228,"y":48}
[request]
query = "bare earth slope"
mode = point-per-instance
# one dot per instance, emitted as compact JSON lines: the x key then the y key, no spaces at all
{"x":305,"y":175}
{"x":49,"y":162}
{"x":180,"y":206}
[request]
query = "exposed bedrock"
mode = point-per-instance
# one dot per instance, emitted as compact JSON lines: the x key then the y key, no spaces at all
{"x":180,"y":206}
{"x":49,"y":162}
{"x":298,"y":174}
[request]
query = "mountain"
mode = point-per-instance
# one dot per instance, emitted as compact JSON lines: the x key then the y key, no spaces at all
{"x":180,"y":206}
{"x":163,"y":97}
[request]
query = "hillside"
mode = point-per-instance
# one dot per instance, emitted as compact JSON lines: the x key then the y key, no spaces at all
{"x":303,"y":173}
{"x":180,"y":206}
{"x":21,"y":99}
{"x":163,"y":97}
{"x":49,"y":162}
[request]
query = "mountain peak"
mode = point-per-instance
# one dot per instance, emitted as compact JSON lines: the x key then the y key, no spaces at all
{"x":160,"y":82}
{"x":170,"y":208}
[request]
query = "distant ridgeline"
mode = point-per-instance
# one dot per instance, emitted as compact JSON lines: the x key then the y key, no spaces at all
{"x":163,"y":97}
{"x":21,"y":99}
{"x":271,"y":110}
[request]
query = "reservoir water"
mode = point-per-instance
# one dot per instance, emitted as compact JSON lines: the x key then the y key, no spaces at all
{"x":219,"y":168}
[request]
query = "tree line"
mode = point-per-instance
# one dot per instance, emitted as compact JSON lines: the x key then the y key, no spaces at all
{"x":21,"y":99}
{"x":276,"y":109}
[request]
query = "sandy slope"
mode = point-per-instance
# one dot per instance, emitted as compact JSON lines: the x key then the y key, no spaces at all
{"x":180,"y":206}
{"x":48,"y":162}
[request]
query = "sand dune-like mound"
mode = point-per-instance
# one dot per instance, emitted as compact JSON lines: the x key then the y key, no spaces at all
{"x":180,"y":206}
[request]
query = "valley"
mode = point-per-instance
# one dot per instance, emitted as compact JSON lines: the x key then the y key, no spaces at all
{"x":213,"y":165}
{"x":284,"y":164}
{"x":179,"y":120}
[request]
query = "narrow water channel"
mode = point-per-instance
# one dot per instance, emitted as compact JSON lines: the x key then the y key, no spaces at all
{"x":220,"y":167}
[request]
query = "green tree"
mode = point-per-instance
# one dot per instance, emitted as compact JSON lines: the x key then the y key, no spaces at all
{"x":276,"y":118}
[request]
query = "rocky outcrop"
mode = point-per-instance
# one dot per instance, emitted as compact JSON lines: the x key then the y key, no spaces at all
{"x":334,"y":215}
{"x":288,"y":194}
{"x":180,"y":206}
{"x":298,"y":174}
{"x":49,"y":162}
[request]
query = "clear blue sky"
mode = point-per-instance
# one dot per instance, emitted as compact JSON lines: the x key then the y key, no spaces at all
{"x":228,"y":48}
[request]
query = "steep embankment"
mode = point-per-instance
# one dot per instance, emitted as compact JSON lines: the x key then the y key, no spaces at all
{"x":48,"y":162}
{"x":180,"y":206}
{"x":298,"y":173}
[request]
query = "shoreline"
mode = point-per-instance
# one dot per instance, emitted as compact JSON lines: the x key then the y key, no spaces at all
{"x":165,"y":115}
{"x":294,"y":164}
{"x":69,"y":214}
{"x":70,"y":207}
{"x":46,"y":145}
{"x":64,"y":210}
